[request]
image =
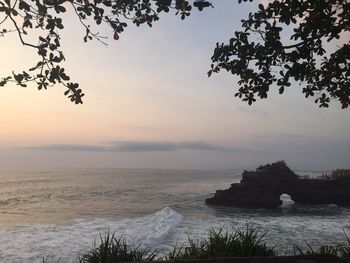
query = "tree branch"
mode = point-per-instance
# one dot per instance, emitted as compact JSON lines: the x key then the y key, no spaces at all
{"x":20,"y":34}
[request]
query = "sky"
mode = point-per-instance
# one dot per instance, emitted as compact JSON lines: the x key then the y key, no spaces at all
{"x":150,"y":104}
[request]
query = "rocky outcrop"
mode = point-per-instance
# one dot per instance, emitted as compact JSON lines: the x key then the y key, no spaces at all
{"x":262,"y":188}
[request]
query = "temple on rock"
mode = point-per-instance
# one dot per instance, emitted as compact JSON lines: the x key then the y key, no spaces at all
{"x":262,"y":188}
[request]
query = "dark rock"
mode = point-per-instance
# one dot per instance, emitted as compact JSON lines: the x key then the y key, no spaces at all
{"x":263,"y":188}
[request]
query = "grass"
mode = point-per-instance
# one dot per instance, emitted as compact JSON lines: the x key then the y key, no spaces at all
{"x":220,"y":243}
{"x":242,"y":242}
{"x":341,"y":251}
{"x":114,"y":249}
{"x":246,"y":242}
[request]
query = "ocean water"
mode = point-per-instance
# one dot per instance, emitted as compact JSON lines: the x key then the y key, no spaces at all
{"x":60,"y":214}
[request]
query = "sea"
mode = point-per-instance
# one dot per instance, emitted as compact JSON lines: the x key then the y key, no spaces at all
{"x":60,"y":214}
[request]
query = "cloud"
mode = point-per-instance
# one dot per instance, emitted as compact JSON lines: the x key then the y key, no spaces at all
{"x":283,"y":137}
{"x":140,"y":146}
{"x":137,"y":146}
{"x":71,"y":147}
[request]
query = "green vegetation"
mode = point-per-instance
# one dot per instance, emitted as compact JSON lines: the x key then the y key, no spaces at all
{"x":114,"y":249}
{"x":241,"y":243}
{"x":244,"y":242}
{"x":342,"y":251}
{"x":282,"y":44}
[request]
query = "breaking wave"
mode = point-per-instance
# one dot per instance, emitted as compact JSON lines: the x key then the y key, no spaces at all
{"x":29,"y":243}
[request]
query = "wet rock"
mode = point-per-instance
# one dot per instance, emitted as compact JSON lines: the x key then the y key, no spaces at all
{"x":262,"y":188}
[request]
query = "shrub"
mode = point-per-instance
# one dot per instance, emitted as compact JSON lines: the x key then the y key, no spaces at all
{"x":112,"y":250}
{"x":342,"y":251}
{"x":241,"y":243}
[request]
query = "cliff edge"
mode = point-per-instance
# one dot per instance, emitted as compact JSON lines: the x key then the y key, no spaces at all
{"x":262,"y":188}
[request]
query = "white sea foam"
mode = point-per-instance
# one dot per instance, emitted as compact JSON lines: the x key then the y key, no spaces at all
{"x":119,"y":193}
{"x":29,"y":243}
{"x":164,"y":229}
{"x":286,"y":200}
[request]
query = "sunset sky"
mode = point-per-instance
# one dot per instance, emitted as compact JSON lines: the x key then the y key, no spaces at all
{"x":150,"y":104}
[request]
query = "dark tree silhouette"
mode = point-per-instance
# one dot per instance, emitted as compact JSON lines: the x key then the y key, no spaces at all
{"x":257,"y":54}
{"x":261,"y":57}
{"x":45,"y":17}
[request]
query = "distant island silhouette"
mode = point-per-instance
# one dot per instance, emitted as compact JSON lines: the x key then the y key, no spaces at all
{"x":262,"y":188}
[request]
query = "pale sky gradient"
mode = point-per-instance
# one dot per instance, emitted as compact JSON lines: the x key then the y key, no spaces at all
{"x":150,"y":104}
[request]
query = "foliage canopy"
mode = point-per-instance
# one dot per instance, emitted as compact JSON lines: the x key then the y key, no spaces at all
{"x":261,"y":56}
{"x":258,"y":54}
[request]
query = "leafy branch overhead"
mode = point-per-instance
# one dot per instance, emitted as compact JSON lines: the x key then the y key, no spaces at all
{"x":285,"y":43}
{"x":45,"y":18}
{"x":263,"y":57}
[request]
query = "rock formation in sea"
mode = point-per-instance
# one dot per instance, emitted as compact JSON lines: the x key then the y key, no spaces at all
{"x":262,"y":188}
